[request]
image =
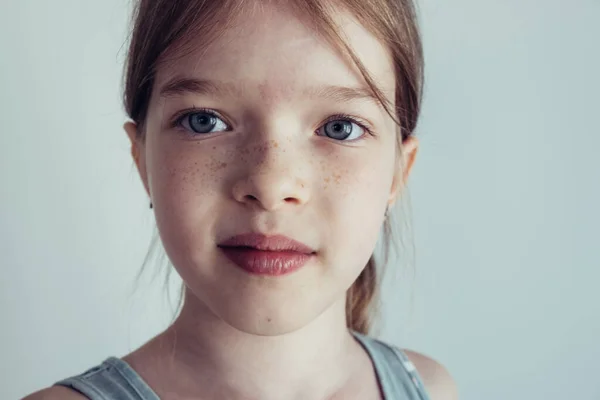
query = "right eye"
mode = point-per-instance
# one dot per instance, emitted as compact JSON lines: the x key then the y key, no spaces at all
{"x":202,"y":122}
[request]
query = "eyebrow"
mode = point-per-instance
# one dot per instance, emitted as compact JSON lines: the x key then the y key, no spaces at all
{"x":182,"y":86}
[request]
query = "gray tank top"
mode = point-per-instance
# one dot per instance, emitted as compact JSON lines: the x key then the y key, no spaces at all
{"x":114,"y":379}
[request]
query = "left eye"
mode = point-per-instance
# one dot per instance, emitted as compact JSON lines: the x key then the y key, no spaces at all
{"x":203,"y":122}
{"x":342,"y":129}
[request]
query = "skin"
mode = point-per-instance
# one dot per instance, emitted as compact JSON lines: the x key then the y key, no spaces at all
{"x":274,"y":171}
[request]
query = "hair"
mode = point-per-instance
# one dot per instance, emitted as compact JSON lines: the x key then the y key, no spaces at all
{"x":163,"y":30}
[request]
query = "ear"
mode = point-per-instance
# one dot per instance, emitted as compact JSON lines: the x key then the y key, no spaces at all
{"x":138,"y":152}
{"x":404,"y":166}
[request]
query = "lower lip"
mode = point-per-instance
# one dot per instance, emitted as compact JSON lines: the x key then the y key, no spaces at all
{"x":273,"y":263}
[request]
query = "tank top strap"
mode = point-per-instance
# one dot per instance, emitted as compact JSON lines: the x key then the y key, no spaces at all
{"x":397,"y":375}
{"x":114,"y":379}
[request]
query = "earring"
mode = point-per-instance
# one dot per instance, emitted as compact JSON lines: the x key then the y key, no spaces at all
{"x":150,"y":204}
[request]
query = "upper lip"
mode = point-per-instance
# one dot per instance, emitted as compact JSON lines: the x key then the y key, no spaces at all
{"x":267,"y":243}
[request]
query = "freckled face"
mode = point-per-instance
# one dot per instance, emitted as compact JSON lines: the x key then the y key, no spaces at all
{"x":263,"y":144}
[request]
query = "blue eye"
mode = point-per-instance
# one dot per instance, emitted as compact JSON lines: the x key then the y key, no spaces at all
{"x":203,"y":122}
{"x":342,"y":129}
{"x":339,"y":127}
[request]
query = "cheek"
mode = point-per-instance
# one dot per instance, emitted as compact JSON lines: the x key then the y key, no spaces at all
{"x":358,"y":180}
{"x":186,"y":184}
{"x":181,"y":175}
{"x":356,"y":188}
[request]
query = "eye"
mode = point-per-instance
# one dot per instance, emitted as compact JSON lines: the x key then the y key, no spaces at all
{"x":202,"y":122}
{"x":345,"y":129}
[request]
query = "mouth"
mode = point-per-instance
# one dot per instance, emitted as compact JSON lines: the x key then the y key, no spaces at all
{"x":266,"y":255}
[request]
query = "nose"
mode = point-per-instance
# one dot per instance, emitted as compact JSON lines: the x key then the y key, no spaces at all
{"x":271,"y":178}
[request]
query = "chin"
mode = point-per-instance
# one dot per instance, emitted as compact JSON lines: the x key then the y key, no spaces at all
{"x":267,"y":313}
{"x":265,"y":306}
{"x":272,"y":319}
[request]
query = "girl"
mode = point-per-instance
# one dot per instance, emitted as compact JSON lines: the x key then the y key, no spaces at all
{"x":271,"y":138}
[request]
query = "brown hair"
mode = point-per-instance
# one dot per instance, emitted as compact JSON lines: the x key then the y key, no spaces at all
{"x":163,"y":30}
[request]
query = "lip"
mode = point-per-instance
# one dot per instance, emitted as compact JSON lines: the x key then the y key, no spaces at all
{"x":266,"y":255}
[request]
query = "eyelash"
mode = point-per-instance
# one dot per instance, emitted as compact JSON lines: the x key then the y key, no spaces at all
{"x":180,"y":116}
{"x":358,"y":121}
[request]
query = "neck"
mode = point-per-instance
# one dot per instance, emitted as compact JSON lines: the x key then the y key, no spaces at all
{"x":209,"y":356}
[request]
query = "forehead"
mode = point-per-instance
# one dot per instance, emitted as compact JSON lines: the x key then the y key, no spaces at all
{"x":272,"y":51}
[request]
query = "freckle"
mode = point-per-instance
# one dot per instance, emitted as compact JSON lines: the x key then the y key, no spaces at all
{"x":327,"y":180}
{"x":214,"y":147}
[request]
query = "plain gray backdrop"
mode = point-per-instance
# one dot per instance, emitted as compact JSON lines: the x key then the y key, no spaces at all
{"x":505,"y":197}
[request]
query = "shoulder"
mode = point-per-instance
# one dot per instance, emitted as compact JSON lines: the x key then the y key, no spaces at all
{"x":55,"y":393}
{"x":435,"y":377}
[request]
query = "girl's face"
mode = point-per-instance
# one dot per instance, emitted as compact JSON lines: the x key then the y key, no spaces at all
{"x":281,"y":137}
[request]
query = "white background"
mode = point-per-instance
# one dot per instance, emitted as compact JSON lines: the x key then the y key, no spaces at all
{"x":505,"y":196}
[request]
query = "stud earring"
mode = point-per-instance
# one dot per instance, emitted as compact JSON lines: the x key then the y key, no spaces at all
{"x":150,"y":204}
